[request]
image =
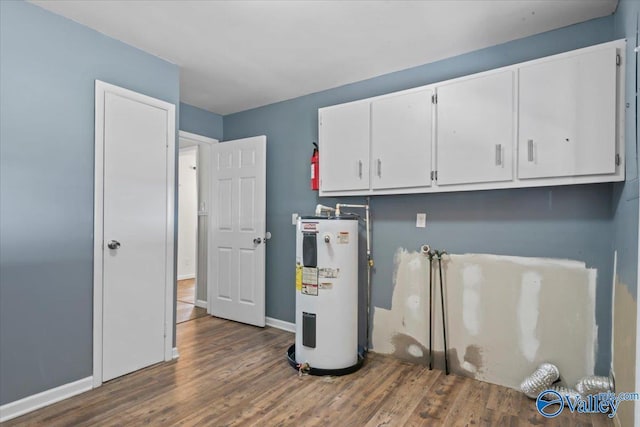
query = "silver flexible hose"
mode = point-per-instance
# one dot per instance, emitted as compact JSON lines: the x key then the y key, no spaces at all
{"x":540,"y":380}
{"x":594,"y":385}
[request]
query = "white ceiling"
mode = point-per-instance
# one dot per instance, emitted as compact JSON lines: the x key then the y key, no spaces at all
{"x":237,"y":55}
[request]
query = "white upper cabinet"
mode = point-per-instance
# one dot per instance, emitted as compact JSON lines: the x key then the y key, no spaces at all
{"x":344,"y":147}
{"x":475,"y":129}
{"x":567,"y":115}
{"x":557,"y":120}
{"x":401,"y":132}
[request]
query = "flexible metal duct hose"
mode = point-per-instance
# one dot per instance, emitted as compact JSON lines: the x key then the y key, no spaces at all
{"x":594,"y":385}
{"x":540,"y":380}
{"x":563,"y":391}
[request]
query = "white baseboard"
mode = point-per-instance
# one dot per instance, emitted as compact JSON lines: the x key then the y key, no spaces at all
{"x":202,"y":303}
{"x":31,"y":403}
{"x":175,"y":354}
{"x":281,"y":324}
{"x":186,"y":276}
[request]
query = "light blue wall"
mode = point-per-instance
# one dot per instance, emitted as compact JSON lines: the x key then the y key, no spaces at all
{"x":199,"y":121}
{"x":559,"y":222}
{"x":625,"y":195}
{"x":48,"y":65}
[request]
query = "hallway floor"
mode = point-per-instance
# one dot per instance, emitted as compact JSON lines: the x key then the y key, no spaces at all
{"x":185,"y":305}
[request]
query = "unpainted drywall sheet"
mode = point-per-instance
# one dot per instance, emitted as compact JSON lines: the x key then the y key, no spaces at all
{"x":624,"y":347}
{"x":504,"y":315}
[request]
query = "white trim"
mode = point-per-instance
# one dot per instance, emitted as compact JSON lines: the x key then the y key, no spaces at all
{"x":98,"y":239}
{"x":281,"y":324}
{"x":27,"y":404}
{"x":192,"y":137}
{"x":98,"y":233}
{"x":174,"y":353}
{"x":188,"y":139}
{"x":187,"y":276}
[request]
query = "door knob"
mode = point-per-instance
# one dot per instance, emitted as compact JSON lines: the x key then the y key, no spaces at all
{"x":257,"y":241}
{"x":113,"y":244}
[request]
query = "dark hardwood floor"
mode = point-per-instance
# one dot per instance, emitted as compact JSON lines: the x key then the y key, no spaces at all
{"x":234,"y":374}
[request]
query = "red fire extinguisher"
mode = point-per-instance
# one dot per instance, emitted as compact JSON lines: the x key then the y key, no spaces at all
{"x":315,"y":168}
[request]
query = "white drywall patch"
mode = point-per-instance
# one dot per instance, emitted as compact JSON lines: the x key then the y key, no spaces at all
{"x":415,"y":351}
{"x":472,"y":282}
{"x":528,"y":311}
{"x":543,"y":308}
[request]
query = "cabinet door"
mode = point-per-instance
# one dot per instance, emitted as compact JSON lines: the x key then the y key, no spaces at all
{"x":344,"y":147}
{"x":401,"y":141}
{"x":568,"y":116}
{"x":475,"y":130}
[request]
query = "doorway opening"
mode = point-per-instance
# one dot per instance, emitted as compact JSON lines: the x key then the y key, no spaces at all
{"x":193,"y":215}
{"x":186,"y":308}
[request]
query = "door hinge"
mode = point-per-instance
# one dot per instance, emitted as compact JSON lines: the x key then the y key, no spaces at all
{"x":618,"y":60}
{"x":434,"y":175}
{"x":617,"y":159}
{"x":434,"y":98}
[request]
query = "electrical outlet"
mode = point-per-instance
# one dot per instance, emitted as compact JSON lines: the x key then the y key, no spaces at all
{"x":294,"y":218}
{"x":421,"y":220}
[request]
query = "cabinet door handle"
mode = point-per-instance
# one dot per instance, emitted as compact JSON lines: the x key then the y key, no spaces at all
{"x":360,"y":169}
{"x":530,"y":150}
{"x":379,"y":168}
{"x":498,"y":154}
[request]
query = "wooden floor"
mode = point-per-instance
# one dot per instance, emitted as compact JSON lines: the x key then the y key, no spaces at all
{"x":185,"y":306}
{"x":234,"y":374}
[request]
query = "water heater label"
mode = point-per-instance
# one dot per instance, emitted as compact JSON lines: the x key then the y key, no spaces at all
{"x":309,"y":226}
{"x":298,"y":277}
{"x":310,"y":290}
{"x":329,"y":273}
{"x":343,"y":237}
{"x":309,"y":281}
{"x":326,"y":285}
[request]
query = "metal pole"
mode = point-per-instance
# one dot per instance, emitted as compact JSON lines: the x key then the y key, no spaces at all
{"x":444,"y":323}
{"x":430,"y":256}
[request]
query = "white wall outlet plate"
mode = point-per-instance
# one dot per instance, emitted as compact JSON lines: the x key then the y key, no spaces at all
{"x":421,"y":220}
{"x":294,"y":218}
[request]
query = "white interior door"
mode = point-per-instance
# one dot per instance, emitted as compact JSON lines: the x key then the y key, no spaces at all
{"x":134,"y":226}
{"x":237,"y":231}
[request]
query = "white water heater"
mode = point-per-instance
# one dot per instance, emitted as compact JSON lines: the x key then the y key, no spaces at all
{"x":327,"y":294}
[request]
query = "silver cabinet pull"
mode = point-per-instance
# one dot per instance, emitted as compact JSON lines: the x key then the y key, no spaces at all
{"x":360,"y":169}
{"x":530,"y":150}
{"x":379,"y":168}
{"x":498,"y":154}
{"x":113,"y":244}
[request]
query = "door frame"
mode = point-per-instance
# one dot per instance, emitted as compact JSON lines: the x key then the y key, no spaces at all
{"x":181,"y":149}
{"x":185,"y":140}
{"x":101,"y":88}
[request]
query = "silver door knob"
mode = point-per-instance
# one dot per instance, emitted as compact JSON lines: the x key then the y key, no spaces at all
{"x":113,"y":244}
{"x":257,"y":241}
